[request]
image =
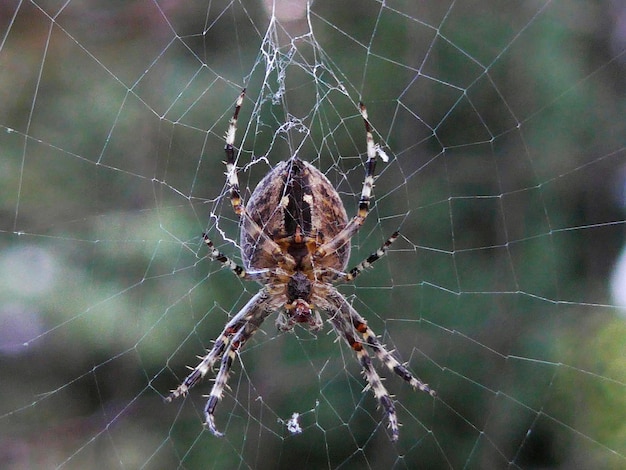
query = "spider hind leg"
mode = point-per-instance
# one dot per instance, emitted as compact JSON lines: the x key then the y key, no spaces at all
{"x":229,"y":149}
{"x":373,"y":150}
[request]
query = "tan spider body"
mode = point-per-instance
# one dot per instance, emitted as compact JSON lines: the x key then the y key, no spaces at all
{"x":295,"y":241}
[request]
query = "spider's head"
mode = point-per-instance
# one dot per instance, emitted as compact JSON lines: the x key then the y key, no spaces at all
{"x":298,"y":298}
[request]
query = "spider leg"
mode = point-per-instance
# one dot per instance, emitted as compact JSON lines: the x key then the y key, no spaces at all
{"x":253,"y":309}
{"x":347,"y":321}
{"x":232,"y":179}
{"x":237,"y":270}
{"x":244,"y":333}
{"x":229,"y":149}
{"x":385,"y":356}
{"x":354,"y":225}
{"x":367,"y":263}
{"x":344,"y":329}
{"x":370,"y":338}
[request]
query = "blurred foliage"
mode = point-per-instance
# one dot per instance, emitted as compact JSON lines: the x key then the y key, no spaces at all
{"x":506,"y":126}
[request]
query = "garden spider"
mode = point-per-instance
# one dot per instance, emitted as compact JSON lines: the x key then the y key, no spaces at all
{"x":295,"y":241}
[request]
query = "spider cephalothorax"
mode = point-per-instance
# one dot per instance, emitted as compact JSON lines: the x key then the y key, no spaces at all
{"x":295,"y":241}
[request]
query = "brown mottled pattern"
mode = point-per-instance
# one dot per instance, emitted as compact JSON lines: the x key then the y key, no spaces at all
{"x":265,"y":207}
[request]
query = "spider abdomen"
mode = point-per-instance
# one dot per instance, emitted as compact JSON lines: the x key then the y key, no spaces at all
{"x":296,"y":206}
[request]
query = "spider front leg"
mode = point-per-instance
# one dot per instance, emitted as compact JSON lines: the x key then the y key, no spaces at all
{"x":370,"y":338}
{"x":354,"y":225}
{"x":344,"y":329}
{"x":255,"y":308}
{"x":347,"y":321}
{"x":252,"y":324}
{"x":385,"y":356}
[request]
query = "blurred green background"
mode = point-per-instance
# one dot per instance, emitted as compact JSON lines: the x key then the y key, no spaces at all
{"x":505,"y":126}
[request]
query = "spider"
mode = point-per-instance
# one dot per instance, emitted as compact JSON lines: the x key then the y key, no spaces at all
{"x":295,"y":241}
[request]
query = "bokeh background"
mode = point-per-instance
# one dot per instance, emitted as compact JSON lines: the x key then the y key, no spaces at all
{"x":505,"y":126}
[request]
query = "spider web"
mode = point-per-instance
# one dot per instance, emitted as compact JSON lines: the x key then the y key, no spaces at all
{"x":504,"y":124}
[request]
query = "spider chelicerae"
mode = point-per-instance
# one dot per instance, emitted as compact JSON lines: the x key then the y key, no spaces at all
{"x":295,"y":241}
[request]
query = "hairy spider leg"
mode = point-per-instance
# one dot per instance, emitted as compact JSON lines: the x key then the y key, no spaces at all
{"x":231,"y":328}
{"x":236,"y":269}
{"x":346,"y":321}
{"x":252,"y":323}
{"x":256,"y":304}
{"x":232,"y":178}
{"x":355,"y":223}
{"x":229,"y":149}
{"x":373,"y":379}
{"x":340,"y":276}
{"x":384,"y":356}
{"x":371,"y":259}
